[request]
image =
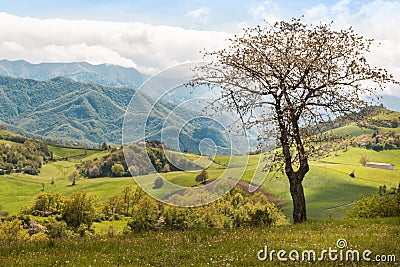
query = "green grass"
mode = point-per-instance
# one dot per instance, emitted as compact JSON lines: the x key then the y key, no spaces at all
{"x":8,"y":142}
{"x":62,"y":152}
{"x":18,"y":190}
{"x":351,"y":129}
{"x":328,"y":186}
{"x":4,"y":132}
{"x":213,"y":247}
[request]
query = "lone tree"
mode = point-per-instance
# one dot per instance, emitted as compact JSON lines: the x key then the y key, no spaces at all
{"x":202,"y":177}
{"x":73,"y":177}
{"x":299,"y":77}
{"x":158,"y":183}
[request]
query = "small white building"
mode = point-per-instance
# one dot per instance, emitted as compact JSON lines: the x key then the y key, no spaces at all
{"x":384,"y":166}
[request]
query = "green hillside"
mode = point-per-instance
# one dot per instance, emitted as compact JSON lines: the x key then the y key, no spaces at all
{"x":328,"y":186}
{"x":64,"y":110}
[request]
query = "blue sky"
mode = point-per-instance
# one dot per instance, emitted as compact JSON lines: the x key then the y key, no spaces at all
{"x":216,"y":15}
{"x":153,"y":35}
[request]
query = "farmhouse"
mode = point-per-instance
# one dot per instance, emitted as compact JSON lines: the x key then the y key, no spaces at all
{"x":384,"y":166}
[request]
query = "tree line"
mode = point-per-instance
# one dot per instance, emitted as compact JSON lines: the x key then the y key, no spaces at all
{"x":27,"y":157}
{"x":142,"y":160}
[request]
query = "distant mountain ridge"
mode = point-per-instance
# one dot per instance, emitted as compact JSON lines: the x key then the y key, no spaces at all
{"x":84,"y":102}
{"x":62,"y":109}
{"x":104,"y":74}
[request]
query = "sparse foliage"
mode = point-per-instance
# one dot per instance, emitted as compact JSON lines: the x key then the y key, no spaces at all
{"x":363,"y":160}
{"x":299,"y":77}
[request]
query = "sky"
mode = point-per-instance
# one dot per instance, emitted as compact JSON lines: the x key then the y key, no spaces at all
{"x":153,"y":35}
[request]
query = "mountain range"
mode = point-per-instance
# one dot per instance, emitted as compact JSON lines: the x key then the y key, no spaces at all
{"x":104,"y":74}
{"x":86,"y":103}
{"x":62,"y":109}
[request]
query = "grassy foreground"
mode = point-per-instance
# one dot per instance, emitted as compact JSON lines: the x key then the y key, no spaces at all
{"x":214,"y":247}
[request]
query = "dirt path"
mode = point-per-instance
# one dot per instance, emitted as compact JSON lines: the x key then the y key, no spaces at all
{"x":340,"y":206}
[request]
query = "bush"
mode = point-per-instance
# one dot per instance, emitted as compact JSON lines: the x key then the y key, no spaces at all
{"x":158,"y":183}
{"x":13,"y":232}
{"x":145,"y":215}
{"x":202,"y":177}
{"x":117,"y":170}
{"x":48,"y":203}
{"x":59,"y":229}
{"x":387,"y":205}
{"x":39,"y":237}
{"x":80,"y":208}
{"x":235,"y":209}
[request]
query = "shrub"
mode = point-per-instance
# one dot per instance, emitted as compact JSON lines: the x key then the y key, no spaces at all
{"x":158,"y":183}
{"x":59,"y":229}
{"x":39,"y":237}
{"x":47,"y":203}
{"x":235,"y":209}
{"x":145,"y":215}
{"x":13,"y":232}
{"x":117,"y":170}
{"x":202,"y":177}
{"x":387,"y":205}
{"x":80,"y":208}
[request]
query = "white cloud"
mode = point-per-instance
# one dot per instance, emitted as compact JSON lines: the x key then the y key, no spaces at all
{"x":146,"y":47}
{"x":267,"y":10}
{"x":151,"y":48}
{"x":377,"y":19}
{"x":202,"y":14}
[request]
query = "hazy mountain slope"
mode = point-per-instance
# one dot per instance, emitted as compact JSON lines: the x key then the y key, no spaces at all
{"x":62,"y":109}
{"x":104,"y":74}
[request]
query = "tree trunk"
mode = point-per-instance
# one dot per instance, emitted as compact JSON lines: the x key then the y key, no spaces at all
{"x":299,"y":201}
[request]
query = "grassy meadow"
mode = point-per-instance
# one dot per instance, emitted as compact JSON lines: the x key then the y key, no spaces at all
{"x":329,"y":190}
{"x":328,"y":186}
{"x":215,"y":247}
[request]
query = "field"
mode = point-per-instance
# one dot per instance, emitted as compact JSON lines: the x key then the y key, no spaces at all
{"x":328,"y":186}
{"x":215,"y":247}
{"x":65,"y":152}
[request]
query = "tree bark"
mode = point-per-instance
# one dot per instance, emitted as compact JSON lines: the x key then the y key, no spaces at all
{"x":299,"y":201}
